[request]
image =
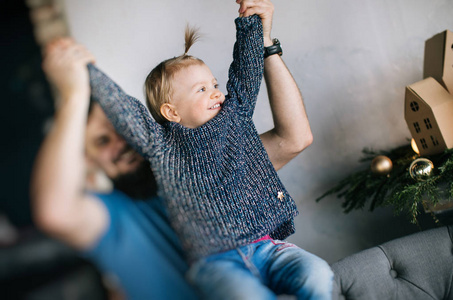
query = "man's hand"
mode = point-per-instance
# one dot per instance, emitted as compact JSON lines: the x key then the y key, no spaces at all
{"x":65,"y":66}
{"x":264,"y":9}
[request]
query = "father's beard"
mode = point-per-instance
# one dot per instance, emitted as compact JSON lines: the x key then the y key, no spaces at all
{"x":139,"y":184}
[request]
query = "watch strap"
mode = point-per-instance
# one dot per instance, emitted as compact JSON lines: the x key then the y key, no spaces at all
{"x":274,"y":49}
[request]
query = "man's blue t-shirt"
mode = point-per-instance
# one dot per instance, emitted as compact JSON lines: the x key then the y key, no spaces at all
{"x":140,"y":248}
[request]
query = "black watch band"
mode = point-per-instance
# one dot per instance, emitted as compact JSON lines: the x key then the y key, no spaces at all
{"x":276,"y":48}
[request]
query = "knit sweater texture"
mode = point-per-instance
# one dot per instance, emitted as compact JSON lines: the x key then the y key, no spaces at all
{"x":220,"y":187}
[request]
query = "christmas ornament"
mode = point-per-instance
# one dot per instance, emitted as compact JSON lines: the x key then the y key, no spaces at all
{"x":400,"y":191}
{"x":421,"y":169}
{"x":381,"y":165}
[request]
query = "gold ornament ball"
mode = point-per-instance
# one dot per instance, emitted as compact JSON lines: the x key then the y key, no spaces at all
{"x":381,"y":165}
{"x":421,"y":169}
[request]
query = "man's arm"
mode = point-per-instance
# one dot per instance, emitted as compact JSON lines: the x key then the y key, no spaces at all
{"x":60,"y":206}
{"x":292,"y":133}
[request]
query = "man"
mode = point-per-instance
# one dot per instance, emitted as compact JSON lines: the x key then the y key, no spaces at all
{"x":126,"y":232}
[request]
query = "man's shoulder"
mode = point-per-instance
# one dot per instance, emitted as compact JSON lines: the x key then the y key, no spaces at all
{"x":125,"y":214}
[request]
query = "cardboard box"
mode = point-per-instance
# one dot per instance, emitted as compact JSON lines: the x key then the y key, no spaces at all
{"x":438,"y":61}
{"x":429,"y":115}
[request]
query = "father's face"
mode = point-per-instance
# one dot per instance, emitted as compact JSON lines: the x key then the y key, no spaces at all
{"x":107,"y":149}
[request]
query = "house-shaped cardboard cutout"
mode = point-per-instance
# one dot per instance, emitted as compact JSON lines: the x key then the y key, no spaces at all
{"x":438,"y":61}
{"x":428,"y":110}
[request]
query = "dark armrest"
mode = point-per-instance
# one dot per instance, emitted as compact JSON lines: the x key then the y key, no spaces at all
{"x":39,"y":267}
{"x":36,"y":254}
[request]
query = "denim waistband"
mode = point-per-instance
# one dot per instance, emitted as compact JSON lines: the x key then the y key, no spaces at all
{"x":266,"y":237}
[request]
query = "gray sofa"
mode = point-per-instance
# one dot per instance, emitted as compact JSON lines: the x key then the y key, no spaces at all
{"x":418,"y":266}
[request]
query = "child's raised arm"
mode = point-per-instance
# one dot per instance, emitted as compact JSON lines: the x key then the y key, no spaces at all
{"x":246,"y":70}
{"x":128,"y":115}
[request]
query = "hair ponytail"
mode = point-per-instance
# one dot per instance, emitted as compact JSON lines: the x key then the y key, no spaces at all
{"x":190,"y":37}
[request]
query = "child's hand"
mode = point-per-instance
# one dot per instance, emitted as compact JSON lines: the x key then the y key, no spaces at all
{"x":65,"y":66}
{"x":264,"y":9}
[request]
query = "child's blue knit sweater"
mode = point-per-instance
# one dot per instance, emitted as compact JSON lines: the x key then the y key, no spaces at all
{"x":220,"y":187}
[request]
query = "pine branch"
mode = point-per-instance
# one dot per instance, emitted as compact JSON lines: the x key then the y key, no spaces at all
{"x":397,"y":189}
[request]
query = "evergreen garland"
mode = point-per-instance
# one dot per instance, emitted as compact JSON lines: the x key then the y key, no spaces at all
{"x":398,"y":188}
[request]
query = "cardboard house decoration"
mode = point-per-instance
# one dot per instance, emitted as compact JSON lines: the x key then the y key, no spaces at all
{"x":438,"y":61}
{"x":429,"y":115}
{"x":428,"y":106}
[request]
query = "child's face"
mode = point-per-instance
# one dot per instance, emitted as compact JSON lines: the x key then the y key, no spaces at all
{"x":196,"y":95}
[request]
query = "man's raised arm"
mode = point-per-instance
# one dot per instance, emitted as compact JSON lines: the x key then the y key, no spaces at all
{"x":291,"y":133}
{"x":60,"y":206}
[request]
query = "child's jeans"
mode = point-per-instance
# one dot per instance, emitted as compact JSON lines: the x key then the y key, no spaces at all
{"x":261,"y":271}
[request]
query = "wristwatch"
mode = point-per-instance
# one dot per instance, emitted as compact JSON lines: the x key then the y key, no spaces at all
{"x":274,"y":49}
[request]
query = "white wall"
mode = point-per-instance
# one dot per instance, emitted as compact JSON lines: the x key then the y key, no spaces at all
{"x":352,"y":60}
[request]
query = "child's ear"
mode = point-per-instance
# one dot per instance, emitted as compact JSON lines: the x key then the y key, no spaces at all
{"x":169,"y":112}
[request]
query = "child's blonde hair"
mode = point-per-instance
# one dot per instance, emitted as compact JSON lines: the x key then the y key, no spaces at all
{"x":158,"y":87}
